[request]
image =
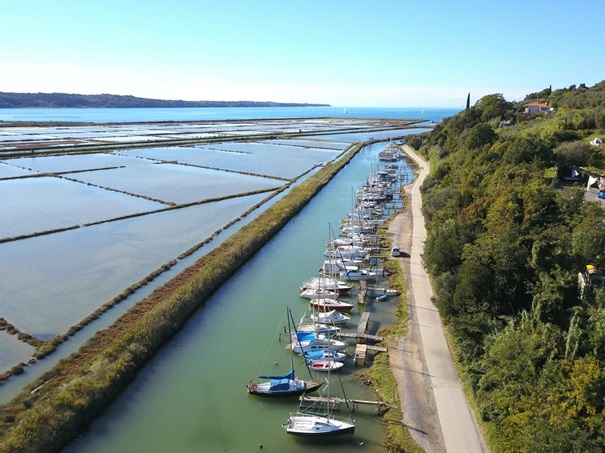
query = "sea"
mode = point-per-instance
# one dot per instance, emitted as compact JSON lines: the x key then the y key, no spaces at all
{"x":133,"y":115}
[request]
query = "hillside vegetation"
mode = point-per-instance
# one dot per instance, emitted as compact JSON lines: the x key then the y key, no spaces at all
{"x":505,"y":243}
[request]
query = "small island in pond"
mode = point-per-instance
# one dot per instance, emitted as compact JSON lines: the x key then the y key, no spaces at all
{"x":63,"y":100}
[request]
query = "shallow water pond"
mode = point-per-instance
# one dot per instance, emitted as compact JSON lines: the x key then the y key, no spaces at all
{"x":172,"y":183}
{"x":12,"y":350}
{"x":55,"y":281}
{"x":61,"y":164}
{"x":312,"y":144}
{"x":355,"y":137}
{"x":43,"y":204}
{"x":263,"y":159}
{"x":8,"y":171}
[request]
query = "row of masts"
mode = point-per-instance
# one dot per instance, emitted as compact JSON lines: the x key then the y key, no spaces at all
{"x":344,"y":260}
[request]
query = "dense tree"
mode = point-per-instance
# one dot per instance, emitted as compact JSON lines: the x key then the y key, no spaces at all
{"x":443,"y":247}
{"x":526,"y":149}
{"x":480,"y":135}
{"x":493,"y":106}
{"x":588,"y":236}
{"x":574,"y":154}
{"x":414,"y":140}
{"x":513,"y":357}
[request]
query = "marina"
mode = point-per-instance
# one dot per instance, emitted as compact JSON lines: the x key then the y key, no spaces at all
{"x":332,"y":207}
{"x":264,"y":265}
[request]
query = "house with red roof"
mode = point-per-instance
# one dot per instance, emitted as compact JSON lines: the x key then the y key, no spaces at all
{"x":535,"y":107}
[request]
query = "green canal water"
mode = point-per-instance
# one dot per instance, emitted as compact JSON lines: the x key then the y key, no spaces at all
{"x":192,"y":396}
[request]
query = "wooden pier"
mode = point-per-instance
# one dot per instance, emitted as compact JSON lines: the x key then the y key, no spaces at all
{"x":334,"y":403}
{"x":362,"y":328}
{"x":361,"y":352}
{"x":361,"y":295}
{"x":362,"y":337}
{"x":362,"y":348}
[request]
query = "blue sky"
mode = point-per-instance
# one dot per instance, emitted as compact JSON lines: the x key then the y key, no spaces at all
{"x":346,"y":53}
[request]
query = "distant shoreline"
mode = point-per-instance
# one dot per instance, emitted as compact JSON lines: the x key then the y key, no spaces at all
{"x":67,"y":100}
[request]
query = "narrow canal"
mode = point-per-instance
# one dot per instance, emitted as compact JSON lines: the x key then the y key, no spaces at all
{"x":192,"y":396}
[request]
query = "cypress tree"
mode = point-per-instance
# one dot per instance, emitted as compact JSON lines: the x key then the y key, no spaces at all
{"x":468,"y":101}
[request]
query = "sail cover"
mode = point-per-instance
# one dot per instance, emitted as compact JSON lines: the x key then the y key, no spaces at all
{"x":306,"y":336}
{"x":314,"y":355}
{"x":286,"y":376}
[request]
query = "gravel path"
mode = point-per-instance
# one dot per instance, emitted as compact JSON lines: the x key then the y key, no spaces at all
{"x":433,"y":403}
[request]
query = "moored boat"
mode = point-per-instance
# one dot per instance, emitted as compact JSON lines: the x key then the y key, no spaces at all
{"x":329,"y":304}
{"x":283,"y":385}
{"x":330,"y":317}
{"x":325,"y":354}
{"x":330,"y":284}
{"x":311,"y":293}
{"x":319,"y":328}
{"x":309,"y":341}
{"x":308,"y":425}
{"x":325,"y":365}
{"x":318,"y":421}
{"x":357,"y":275}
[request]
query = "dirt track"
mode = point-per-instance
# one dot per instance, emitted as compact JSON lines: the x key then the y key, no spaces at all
{"x":433,"y":403}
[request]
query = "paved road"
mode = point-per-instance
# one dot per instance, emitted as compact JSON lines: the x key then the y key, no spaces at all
{"x":440,"y":420}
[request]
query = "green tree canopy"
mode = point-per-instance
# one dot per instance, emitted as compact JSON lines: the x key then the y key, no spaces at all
{"x":493,"y":106}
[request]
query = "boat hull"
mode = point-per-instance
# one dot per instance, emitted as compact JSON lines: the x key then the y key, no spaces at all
{"x":314,"y":426}
{"x":325,"y":365}
{"x":310,"y":387}
{"x":331,"y":317}
{"x":344,"y":307}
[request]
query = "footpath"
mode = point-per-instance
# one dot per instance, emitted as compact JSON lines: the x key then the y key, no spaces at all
{"x":433,"y":403}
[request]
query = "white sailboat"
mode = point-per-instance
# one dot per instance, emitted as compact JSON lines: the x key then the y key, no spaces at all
{"x":331,"y":317}
{"x":356,"y":275}
{"x":317,"y":422}
{"x":310,"y":341}
{"x":324,"y":365}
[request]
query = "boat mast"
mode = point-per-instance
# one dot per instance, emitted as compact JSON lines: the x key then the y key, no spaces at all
{"x":292,"y":324}
{"x":344,"y":395}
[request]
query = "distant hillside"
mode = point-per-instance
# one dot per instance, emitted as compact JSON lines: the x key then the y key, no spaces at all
{"x":60,"y":100}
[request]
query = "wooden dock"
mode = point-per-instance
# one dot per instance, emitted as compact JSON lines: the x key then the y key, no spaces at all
{"x":363,"y":337}
{"x":334,"y":403}
{"x":362,"y":327}
{"x":361,"y":351}
{"x":361,"y":295}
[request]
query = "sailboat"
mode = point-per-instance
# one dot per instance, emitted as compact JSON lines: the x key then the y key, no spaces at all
{"x":319,"y":421}
{"x":283,"y":385}
{"x":330,"y":317}
{"x":325,"y":365}
{"x":325,"y":360}
{"x":310,"y":341}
